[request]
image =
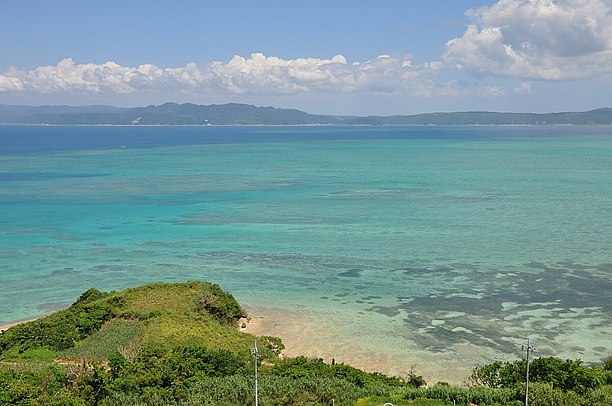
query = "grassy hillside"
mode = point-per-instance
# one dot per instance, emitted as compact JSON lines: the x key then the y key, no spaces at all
{"x":160,"y":314}
{"x":177,"y":344}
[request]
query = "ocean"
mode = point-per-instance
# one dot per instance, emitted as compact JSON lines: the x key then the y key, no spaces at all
{"x":443,"y":247}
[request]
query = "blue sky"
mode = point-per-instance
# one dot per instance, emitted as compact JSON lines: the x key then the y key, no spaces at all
{"x":336,"y":57}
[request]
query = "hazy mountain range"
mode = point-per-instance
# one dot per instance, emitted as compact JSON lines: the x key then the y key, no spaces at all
{"x":244,"y":114}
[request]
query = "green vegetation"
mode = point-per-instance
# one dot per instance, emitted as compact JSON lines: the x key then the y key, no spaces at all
{"x":244,"y":114}
{"x":177,"y":344}
{"x":117,"y":335}
{"x":568,"y":375}
{"x":99,"y":323}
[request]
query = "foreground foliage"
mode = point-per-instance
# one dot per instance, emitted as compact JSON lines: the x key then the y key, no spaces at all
{"x":195,"y":376}
{"x":176,"y":344}
{"x":565,"y":375}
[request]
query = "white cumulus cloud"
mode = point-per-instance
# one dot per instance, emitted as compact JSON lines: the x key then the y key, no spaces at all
{"x":523,"y":88}
{"x":537,"y":39}
{"x":69,"y":77}
{"x":257,"y":74}
{"x":273,"y":74}
{"x":10,"y":83}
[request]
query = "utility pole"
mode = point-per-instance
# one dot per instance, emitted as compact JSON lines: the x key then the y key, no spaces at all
{"x":256,"y":356}
{"x":529,"y":349}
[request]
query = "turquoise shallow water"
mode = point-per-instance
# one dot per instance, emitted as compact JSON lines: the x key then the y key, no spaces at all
{"x":421,"y":239}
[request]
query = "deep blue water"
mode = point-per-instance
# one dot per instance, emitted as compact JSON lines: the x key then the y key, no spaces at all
{"x":24,"y":139}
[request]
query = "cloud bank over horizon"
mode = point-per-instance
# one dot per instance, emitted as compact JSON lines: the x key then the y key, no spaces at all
{"x":506,"y":50}
{"x":255,"y":74}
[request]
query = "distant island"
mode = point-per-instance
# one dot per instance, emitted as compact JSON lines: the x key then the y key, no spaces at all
{"x":244,"y":114}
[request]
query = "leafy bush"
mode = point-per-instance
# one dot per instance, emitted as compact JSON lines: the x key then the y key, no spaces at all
{"x":462,"y":396}
{"x":272,"y":346}
{"x":63,"y":329}
{"x":302,"y":367}
{"x":601,"y":396}
{"x":172,"y":371}
{"x":218,"y":303}
{"x":238,"y":390}
{"x":91,"y":295}
{"x":499,"y":374}
{"x":47,"y":386}
{"x":568,"y":375}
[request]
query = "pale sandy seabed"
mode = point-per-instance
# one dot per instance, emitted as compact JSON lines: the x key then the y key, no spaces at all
{"x":306,"y":335}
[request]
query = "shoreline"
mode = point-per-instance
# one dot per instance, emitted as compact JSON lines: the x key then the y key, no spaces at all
{"x":7,"y":325}
{"x":314,"y":125}
{"x":316,"y":337}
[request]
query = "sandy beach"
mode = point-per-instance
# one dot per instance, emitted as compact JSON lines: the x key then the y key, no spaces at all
{"x":6,"y":326}
{"x":312,"y":337}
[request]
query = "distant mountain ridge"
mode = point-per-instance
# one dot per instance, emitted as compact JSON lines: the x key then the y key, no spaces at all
{"x":245,"y":114}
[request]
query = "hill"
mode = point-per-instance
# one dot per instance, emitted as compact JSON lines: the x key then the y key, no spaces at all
{"x":244,"y":114}
{"x":160,"y":315}
{"x":165,"y":114}
{"x":592,"y":117}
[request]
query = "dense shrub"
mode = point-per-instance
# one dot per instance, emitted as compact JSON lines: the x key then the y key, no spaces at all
{"x":568,"y":375}
{"x":601,"y":396}
{"x":607,"y":364}
{"x":63,"y":329}
{"x":218,"y":303}
{"x":272,"y":346}
{"x":47,"y":386}
{"x":461,"y":395}
{"x":239,"y":390}
{"x":302,"y":367}
{"x":200,"y":376}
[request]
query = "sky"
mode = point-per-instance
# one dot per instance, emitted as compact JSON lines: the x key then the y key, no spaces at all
{"x":359,"y":57}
